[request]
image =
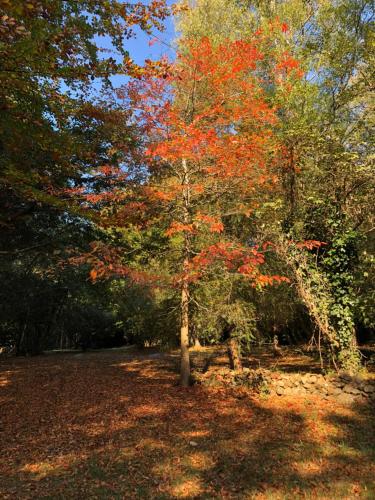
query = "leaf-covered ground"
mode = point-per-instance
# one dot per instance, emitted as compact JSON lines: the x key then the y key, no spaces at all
{"x":115,"y":425}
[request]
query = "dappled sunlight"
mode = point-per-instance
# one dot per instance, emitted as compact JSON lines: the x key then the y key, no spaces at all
{"x":291,"y":361}
{"x":98,"y":429}
{"x":195,"y":434}
{"x":201,"y":460}
{"x":59,"y":466}
{"x":148,"y":369}
{"x":102,"y":427}
{"x":6,"y":377}
{"x":40,"y":470}
{"x":128,"y":453}
{"x":147,"y":410}
{"x":309,"y":467}
{"x":151,"y":444}
{"x":4,"y":381}
{"x":188,"y":488}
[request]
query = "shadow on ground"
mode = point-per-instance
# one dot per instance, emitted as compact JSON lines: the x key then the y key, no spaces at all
{"x":118,"y":426}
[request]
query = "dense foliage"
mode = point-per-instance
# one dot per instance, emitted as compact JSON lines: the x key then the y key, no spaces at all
{"x":59,"y":121}
{"x":228,"y":192}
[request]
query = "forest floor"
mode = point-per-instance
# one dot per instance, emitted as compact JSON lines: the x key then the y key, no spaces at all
{"x":115,"y":425}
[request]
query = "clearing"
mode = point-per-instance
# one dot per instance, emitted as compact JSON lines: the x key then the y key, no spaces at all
{"x":115,"y":425}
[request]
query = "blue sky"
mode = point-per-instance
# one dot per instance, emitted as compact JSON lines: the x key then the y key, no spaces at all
{"x":139,"y":48}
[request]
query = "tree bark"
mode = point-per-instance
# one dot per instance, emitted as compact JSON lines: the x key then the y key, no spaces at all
{"x":184,"y":336}
{"x":184,"y":333}
{"x":234,"y":354}
{"x":197,"y":343}
{"x":276,"y":349}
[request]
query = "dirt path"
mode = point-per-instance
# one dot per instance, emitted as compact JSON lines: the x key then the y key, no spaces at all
{"x":116,"y":425}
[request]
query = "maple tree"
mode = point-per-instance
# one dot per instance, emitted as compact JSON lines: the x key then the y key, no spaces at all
{"x":210,"y":153}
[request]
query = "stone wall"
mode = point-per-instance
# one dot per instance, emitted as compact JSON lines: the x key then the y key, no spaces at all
{"x":343,"y":388}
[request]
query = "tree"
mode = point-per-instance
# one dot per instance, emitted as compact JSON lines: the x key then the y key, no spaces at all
{"x":210,"y":154}
{"x":324,"y":121}
{"x":44,"y":97}
{"x":59,"y":120}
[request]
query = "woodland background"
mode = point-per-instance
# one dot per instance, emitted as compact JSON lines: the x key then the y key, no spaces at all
{"x":85,"y":265}
{"x":220,"y":200}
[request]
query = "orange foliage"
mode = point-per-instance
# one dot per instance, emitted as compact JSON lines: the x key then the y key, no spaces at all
{"x":177,"y":227}
{"x":227,"y":137}
{"x":215,"y":225}
{"x":226,"y":141}
{"x":310,"y":244}
{"x":116,"y":425}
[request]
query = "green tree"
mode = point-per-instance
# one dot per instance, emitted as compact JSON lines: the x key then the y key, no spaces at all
{"x":55,"y":130}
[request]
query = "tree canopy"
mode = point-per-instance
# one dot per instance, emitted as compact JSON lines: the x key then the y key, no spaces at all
{"x":222,"y":196}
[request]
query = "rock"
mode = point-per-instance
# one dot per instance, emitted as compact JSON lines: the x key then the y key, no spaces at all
{"x":349,"y":389}
{"x":369,"y":388}
{"x":339,"y":383}
{"x":307,"y":387}
{"x":315,"y":390}
{"x":345,"y":398}
{"x":297,"y":391}
{"x":313,"y":379}
{"x":280,"y":390}
{"x":320,"y":392}
{"x":357,"y":380}
{"x":361,"y":398}
{"x":193,"y":443}
{"x":334,"y":391}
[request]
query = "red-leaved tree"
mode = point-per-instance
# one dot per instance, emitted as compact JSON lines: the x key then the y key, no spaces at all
{"x":208,"y":152}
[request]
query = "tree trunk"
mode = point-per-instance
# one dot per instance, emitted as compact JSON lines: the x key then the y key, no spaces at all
{"x":234,"y":354}
{"x":276,"y":349}
{"x":184,"y":336}
{"x":197,"y":343}
{"x":349,"y":355}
